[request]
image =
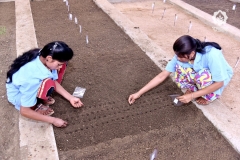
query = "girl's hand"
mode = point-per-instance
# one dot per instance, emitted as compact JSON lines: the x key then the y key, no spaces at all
{"x":186,"y":98}
{"x":59,"y":122}
{"x":133,"y":97}
{"x":76,"y":102}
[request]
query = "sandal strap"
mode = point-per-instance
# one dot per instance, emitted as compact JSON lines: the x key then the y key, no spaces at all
{"x":44,"y":108}
{"x":41,"y":107}
{"x":38,"y":107}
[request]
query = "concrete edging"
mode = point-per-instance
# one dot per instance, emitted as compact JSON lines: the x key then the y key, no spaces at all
{"x":216,"y":112}
{"x":37,"y":139}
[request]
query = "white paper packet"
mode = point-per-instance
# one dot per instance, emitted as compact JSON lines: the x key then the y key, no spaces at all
{"x":176,"y":102}
{"x":79,"y":92}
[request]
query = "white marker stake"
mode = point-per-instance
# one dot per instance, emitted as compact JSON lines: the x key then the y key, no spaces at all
{"x":205,"y":39}
{"x":163,"y":13}
{"x":153,"y":4}
{"x":80,"y":28}
{"x":153,"y":155}
{"x":64,"y":0}
{"x":66,"y":3}
{"x":175,"y":19}
{"x":164,"y":1}
{"x":234,"y":7}
{"x":236,"y":62}
{"x":70,"y":16}
{"x":190,"y":26}
{"x":87,"y":39}
{"x":76,"y":21}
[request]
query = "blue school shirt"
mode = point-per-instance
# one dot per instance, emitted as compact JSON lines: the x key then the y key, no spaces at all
{"x":213,"y":60}
{"x":22,"y":91}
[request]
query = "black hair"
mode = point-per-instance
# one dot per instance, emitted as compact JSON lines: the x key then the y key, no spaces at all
{"x":57,"y":49}
{"x":184,"y":45}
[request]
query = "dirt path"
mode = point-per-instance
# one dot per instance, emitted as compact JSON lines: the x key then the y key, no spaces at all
{"x":111,"y":67}
{"x":9,"y":130}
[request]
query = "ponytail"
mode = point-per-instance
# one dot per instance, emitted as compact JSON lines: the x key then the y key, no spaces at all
{"x":184,"y":45}
{"x":21,"y":61}
{"x":200,"y":46}
{"x":58,"y":50}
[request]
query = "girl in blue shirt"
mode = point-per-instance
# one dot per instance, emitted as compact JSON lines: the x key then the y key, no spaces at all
{"x":32,"y":78}
{"x":199,"y":67}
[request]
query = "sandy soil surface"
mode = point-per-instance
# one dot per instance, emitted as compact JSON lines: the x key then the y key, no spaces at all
{"x":9,"y":131}
{"x":164,"y":33}
{"x":111,"y":67}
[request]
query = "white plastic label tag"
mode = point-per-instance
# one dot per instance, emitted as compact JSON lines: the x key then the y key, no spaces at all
{"x":234,"y":7}
{"x":175,"y":101}
{"x":76,"y":21}
{"x":70,"y":16}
